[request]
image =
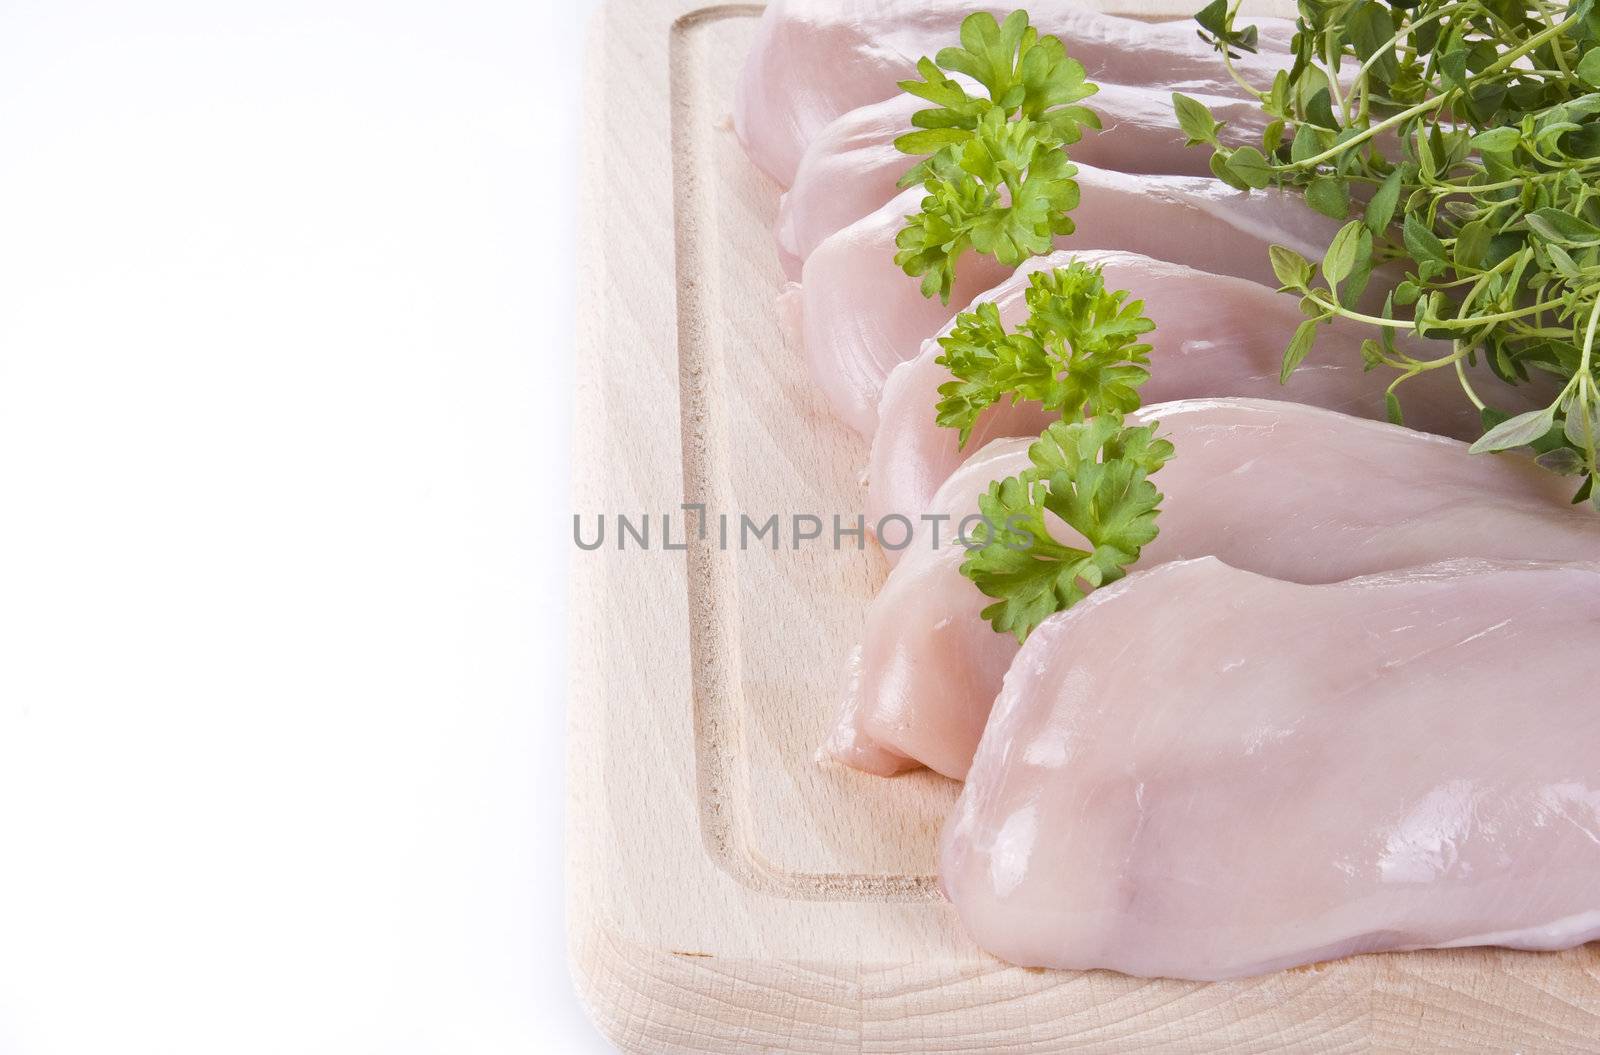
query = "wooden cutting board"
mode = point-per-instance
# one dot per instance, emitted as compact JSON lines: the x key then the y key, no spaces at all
{"x":727,"y":892}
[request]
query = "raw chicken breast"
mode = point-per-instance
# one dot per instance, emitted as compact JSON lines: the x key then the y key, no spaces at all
{"x":813,"y":60}
{"x":1214,"y":336}
{"x":1205,"y":773}
{"x":1294,"y":492}
{"x":861,"y":316}
{"x":852,"y":166}
{"x":928,"y":668}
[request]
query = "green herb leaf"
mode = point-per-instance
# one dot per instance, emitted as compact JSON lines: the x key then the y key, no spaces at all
{"x":1472,"y":244}
{"x":1581,"y":427}
{"x":1563,"y":461}
{"x":1589,"y":68}
{"x":930,"y":141}
{"x":1319,"y":110}
{"x":1292,"y":269}
{"x":1562,"y":227}
{"x":1330,"y":196}
{"x":1517,"y":432}
{"x":1007,"y":193}
{"x":1251,"y":167}
{"x":1079,"y":352}
{"x":1305,"y":336}
{"x":1370,"y":30}
{"x":989,"y":51}
{"x":1423,"y":243}
{"x":1306,"y":144}
{"x":1218,"y":30}
{"x":998,"y":181}
{"x":1195,"y":118}
{"x":1214,"y":17}
{"x":1025,"y":75}
{"x":1272,"y":136}
{"x":1089,"y":476}
{"x":1341,"y":256}
{"x":1468,"y":137}
{"x":1219,"y":169}
{"x":1502,"y":140}
{"x":1380,"y":210}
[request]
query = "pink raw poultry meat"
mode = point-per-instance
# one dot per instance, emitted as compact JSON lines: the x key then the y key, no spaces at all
{"x":1205,"y":773}
{"x":852,"y":166}
{"x":1294,"y":492}
{"x":861,"y":316}
{"x":814,"y":60}
{"x":1214,"y":336}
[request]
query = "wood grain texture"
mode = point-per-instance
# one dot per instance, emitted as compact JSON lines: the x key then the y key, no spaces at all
{"x":728,"y":893}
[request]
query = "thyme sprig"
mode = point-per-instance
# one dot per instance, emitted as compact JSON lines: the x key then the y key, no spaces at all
{"x":1460,"y":139}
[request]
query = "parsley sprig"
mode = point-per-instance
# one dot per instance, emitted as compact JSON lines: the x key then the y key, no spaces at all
{"x":1078,"y":352}
{"x":1461,"y":141}
{"x":997,"y":178}
{"x":1092,"y":476}
{"x":999,"y":182}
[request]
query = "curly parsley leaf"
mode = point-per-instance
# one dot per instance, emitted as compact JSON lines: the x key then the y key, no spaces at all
{"x":1092,"y":477}
{"x":997,"y":177}
{"x":1079,"y":351}
{"x":1006,"y":193}
{"x":1025,"y":75}
{"x":950,"y":123}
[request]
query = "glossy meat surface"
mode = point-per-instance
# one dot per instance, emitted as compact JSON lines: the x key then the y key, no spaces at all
{"x":1294,"y":492}
{"x":862,"y":316}
{"x":1204,"y":773}
{"x":851,"y":167}
{"x":1214,"y":336}
{"x":813,"y":60}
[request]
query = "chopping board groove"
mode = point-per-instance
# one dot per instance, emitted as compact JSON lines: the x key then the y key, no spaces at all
{"x":726,"y":891}
{"x":709,"y":438}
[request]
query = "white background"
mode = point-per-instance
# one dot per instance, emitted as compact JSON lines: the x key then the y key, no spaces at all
{"x":285,"y":343}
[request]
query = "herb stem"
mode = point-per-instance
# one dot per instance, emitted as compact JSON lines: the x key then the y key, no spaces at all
{"x":1449,"y":324}
{"x":1372,"y":130}
{"x":1461,"y":375}
{"x":1332,"y":49}
{"x":1588,"y":340}
{"x":1427,"y":105}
